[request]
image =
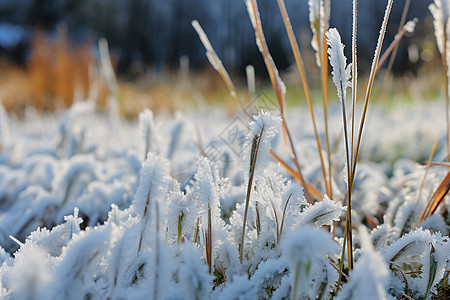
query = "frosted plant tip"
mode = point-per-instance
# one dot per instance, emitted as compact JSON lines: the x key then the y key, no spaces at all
{"x":341,"y":73}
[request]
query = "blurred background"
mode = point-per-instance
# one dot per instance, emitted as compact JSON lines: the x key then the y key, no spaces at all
{"x":49,"y":52}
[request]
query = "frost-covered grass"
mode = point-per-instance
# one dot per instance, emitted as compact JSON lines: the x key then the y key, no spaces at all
{"x":202,"y":205}
{"x":91,"y":218}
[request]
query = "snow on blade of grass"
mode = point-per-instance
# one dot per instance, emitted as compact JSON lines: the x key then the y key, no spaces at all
{"x":271,"y":124}
{"x":369,"y":277}
{"x":148,"y":132}
{"x":322,"y":213}
{"x":306,"y":250}
{"x":195,"y":282}
{"x":440,"y":10}
{"x":341,"y":71}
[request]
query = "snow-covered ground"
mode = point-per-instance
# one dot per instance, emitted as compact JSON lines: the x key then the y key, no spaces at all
{"x":93,"y":206}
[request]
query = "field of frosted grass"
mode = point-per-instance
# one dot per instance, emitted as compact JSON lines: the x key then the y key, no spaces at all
{"x":86,"y":213}
{"x":204,"y":205}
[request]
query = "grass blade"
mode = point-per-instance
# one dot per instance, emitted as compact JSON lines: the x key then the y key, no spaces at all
{"x":254,"y":153}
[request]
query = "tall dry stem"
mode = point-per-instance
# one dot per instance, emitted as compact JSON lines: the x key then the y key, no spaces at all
{"x":301,"y":70}
{"x":369,"y":86}
{"x":279,"y":88}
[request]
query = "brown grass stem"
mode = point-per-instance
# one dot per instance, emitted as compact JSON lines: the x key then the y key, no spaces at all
{"x":279,"y":88}
{"x":426,"y":170}
{"x":217,"y":63}
{"x":331,"y":262}
{"x":348,"y":231}
{"x":282,"y":218}
{"x":395,"y":49}
{"x":303,"y":78}
{"x":437,"y":198}
{"x":439,"y":164}
{"x":324,"y":76}
{"x":447,"y":96}
{"x":314,"y":192}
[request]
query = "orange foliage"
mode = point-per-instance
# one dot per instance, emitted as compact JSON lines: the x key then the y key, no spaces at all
{"x":55,"y":70}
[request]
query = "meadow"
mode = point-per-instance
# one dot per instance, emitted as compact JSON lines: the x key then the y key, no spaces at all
{"x":336,"y":198}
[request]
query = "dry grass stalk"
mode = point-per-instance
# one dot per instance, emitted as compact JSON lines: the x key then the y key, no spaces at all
{"x":277,"y":84}
{"x":369,"y":86}
{"x":197,"y":229}
{"x":331,"y":262}
{"x":437,"y":198}
{"x":301,"y":70}
{"x":439,"y":164}
{"x":427,"y":168}
{"x":395,"y":49}
{"x":216,"y":62}
{"x":279,"y":88}
{"x":324,"y":76}
{"x":314,"y":192}
{"x":447,"y":95}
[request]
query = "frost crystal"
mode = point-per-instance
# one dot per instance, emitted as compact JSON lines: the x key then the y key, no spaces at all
{"x":341,"y":73}
{"x":440,"y":10}
{"x":370,"y":274}
{"x":271,"y":124}
{"x":305,"y":249}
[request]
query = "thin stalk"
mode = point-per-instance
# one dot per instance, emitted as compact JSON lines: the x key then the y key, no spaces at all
{"x":437,"y":198}
{"x":324,"y":76}
{"x":315,"y":192}
{"x":217,"y":63}
{"x":439,"y":164}
{"x":348,"y":222}
{"x":284,"y":214}
{"x":147,"y":203}
{"x":293,"y":156}
{"x":447,"y":96}
{"x":348,"y":231}
{"x":331,"y":262}
{"x":157,"y":254}
{"x":394,"y":51}
{"x":426,"y":170}
{"x":258,"y":220}
{"x":279,"y":88}
{"x":276,"y":221}
{"x":301,"y":70}
{"x":354,"y":76}
{"x":249,"y":190}
{"x":197,"y":229}
{"x":394,"y":44}
{"x":297,"y":274}
{"x":341,"y":263}
{"x":208,"y":239}
{"x":369,"y":87}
